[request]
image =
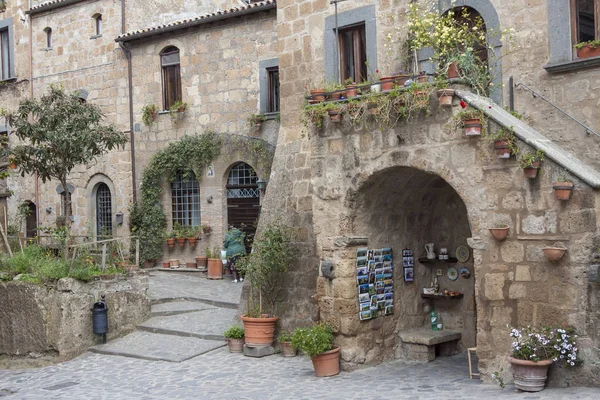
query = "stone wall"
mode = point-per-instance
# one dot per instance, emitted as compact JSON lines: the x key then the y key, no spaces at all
{"x":56,"y":320}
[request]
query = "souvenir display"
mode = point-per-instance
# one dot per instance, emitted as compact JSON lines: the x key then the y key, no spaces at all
{"x":375,"y":281}
{"x":462,"y":253}
{"x":452,"y":274}
{"x":408,"y":264}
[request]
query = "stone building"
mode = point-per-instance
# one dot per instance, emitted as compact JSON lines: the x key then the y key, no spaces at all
{"x":346,"y":186}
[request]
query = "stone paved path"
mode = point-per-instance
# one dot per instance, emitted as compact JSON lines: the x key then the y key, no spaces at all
{"x":217,"y":374}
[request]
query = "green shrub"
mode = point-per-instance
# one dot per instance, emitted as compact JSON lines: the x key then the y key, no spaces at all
{"x":284,"y":336}
{"x":235,"y":332}
{"x":314,"y":340}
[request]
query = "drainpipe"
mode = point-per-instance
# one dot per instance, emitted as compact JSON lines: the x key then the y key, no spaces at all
{"x":36,"y":178}
{"x":127,"y":52}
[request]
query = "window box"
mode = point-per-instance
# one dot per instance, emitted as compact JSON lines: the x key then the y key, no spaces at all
{"x":587,"y":51}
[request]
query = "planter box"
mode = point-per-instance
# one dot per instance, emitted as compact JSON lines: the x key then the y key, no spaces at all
{"x":587,"y":51}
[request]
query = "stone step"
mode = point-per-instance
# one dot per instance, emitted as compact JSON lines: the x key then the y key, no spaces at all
{"x":210,"y":302}
{"x":205,"y":324}
{"x":178,"y":307}
{"x":158,"y":347}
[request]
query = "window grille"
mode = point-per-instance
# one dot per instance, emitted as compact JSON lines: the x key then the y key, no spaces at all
{"x":185,"y":200}
{"x":241,"y":182}
{"x":103,"y":211}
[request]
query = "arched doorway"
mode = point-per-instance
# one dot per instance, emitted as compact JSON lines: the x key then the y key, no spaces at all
{"x":406,"y":208}
{"x":243,"y":200}
{"x":30,"y":219}
{"x":103,"y":210}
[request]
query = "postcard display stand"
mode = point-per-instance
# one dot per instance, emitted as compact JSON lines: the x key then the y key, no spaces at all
{"x":375,"y":279}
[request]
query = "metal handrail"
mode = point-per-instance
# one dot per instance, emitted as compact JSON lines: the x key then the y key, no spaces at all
{"x":588,"y":130}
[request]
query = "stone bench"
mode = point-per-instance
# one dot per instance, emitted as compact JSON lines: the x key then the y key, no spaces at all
{"x":423,"y":344}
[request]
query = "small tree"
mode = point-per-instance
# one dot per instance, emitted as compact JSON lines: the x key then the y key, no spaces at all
{"x":58,"y":132}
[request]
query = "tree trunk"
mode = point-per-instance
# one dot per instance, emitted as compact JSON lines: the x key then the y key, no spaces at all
{"x":67,"y":203}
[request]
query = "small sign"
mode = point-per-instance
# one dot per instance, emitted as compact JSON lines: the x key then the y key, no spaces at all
{"x":210,"y":171}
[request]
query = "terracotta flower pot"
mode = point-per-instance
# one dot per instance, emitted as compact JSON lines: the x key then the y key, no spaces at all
{"x":171,"y":242}
{"x":215,"y":269}
{"x":530,"y":376}
{"x":387,"y":83}
{"x":166,"y":264}
{"x":259,"y":331}
{"x":201,"y":262}
{"x":532,"y":171}
{"x":445,"y":96}
{"x":335,"y":115}
{"x":587,"y":51}
{"x":235,"y":345}
{"x":149,"y":264}
{"x":335,"y":95}
{"x":180,"y":242}
{"x":423,"y":78}
{"x":554,"y":253}
{"x":452,"y":72}
{"x":288,"y":350}
{"x":174,"y":262}
{"x":473,"y":127}
{"x":318,"y":94}
{"x":327,"y":363}
{"x":499,"y":233}
{"x":401,"y":79}
{"x":351,"y":91}
{"x":562,"y":190}
{"x":190,"y":265}
{"x":192,"y":242}
{"x":502,"y":148}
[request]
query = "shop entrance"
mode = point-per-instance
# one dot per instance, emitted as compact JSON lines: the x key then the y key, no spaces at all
{"x":406,"y":208}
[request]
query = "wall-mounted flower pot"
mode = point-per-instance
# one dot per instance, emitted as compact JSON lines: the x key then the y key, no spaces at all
{"x":181,"y":242}
{"x":532,"y":171}
{"x":376,"y":88}
{"x":335,"y":115}
{"x":192,"y":242}
{"x":318,"y":95}
{"x":351,"y":91}
{"x":171,"y":242}
{"x":452,"y":72}
{"x":499,"y":233}
{"x":587,"y":51}
{"x":562,"y":190}
{"x":554,"y":253}
{"x":387,"y":83}
{"x":502,"y":148}
{"x":472,"y":127}
{"x":445,"y":97}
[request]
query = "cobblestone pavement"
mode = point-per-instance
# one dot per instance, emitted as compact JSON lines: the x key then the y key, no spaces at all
{"x":218,"y":374}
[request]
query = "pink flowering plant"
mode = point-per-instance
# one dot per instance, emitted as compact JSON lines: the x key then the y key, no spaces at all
{"x":535,"y":344}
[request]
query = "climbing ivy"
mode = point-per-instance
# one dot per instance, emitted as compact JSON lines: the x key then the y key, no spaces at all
{"x":190,"y":155}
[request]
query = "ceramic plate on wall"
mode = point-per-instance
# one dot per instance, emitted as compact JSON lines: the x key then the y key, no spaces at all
{"x":462,"y":253}
{"x":452,"y":274}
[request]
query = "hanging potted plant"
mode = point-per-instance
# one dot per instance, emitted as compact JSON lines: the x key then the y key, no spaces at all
{"x":214,"y":264}
{"x":531,"y":163}
{"x":499,"y":232}
{"x":235,"y":339}
{"x":470,"y":119}
{"x":387,"y":83}
{"x":256,"y":120}
{"x":554,"y":253}
{"x":534,"y":349}
{"x":192,"y":234}
{"x":588,"y":49}
{"x":177,"y":110}
{"x":445,"y":96}
{"x":504,"y":143}
{"x":316,"y":342}
{"x":265,"y":267}
{"x":563,"y":189}
{"x":149,"y":114}
{"x":285,"y":342}
{"x":171,"y":239}
{"x":205,"y":227}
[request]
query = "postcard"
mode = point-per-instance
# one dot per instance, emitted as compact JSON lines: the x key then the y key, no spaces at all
{"x":364,"y":315}
{"x":364,"y":297}
{"x":365,"y":307}
{"x":363,"y":288}
{"x":389,"y":310}
{"x":362,"y":279}
{"x":361,"y":252}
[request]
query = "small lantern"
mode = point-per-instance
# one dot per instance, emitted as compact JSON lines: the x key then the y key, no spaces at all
{"x":262,"y":185}
{"x":119,"y":217}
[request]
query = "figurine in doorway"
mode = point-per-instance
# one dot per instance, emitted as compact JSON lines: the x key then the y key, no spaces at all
{"x":234,"y":246}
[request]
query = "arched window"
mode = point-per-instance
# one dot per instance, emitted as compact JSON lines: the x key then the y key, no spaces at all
{"x":103,"y":210}
{"x":243,"y":200}
{"x":171,"y":76}
{"x":48,"y":32}
{"x":97,"y":24}
{"x":472,"y":18}
{"x":242,"y":182}
{"x":185,"y":200}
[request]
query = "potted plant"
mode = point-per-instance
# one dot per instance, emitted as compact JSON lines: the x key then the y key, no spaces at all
{"x":351,"y":88}
{"x":400,"y":77}
{"x":265,"y":266}
{"x":201,"y":261}
{"x":335,"y":114}
{"x":235,"y":339}
{"x":335,"y":91}
{"x":205,"y":227}
{"x":445,"y":96}
{"x":316,"y":342}
{"x":531,"y":162}
{"x":171,"y":239}
{"x":180,"y":234}
{"x":387,"y":83}
{"x":499,"y":232}
{"x":177,"y":109}
{"x":317,"y":95}
{"x":470,"y":119}
{"x":174,"y":263}
{"x":255,"y":120}
{"x":534,"y":349}
{"x":149,"y":114}
{"x":588,"y":49}
{"x":166,"y":264}
{"x":285,"y":341}
{"x":192,"y":234}
{"x":554,"y":253}
{"x":563,"y":189}
{"x":214,"y":264}
{"x":504,"y":143}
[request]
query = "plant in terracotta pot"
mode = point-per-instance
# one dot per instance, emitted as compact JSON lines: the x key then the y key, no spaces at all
{"x":171,"y":239}
{"x":205,"y":227}
{"x":531,"y":162}
{"x":285,"y":342}
{"x":563,"y":189}
{"x":351,"y":88}
{"x":201,"y":261}
{"x":335,"y":91}
{"x":588,"y":49}
{"x":214,"y":263}
{"x":273,"y":251}
{"x":235,"y":339}
{"x":445,"y":96}
{"x":149,"y":114}
{"x":177,"y":110}
{"x":499,"y":232}
{"x":192,"y":233}
{"x":470,"y":119}
{"x":505,"y":143}
{"x":180,"y":234}
{"x":255,"y":120}
{"x":316,"y":342}
{"x":534,"y":349}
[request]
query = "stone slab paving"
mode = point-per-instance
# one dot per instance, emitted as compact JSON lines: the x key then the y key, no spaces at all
{"x":205,"y":324}
{"x":158,"y":347}
{"x":222,"y":375}
{"x":165,"y":286}
{"x":178,"y":307}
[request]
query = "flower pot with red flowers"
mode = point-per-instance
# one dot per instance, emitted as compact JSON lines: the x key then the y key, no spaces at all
{"x":445,"y":97}
{"x":588,"y":49}
{"x":499,"y":232}
{"x":563,"y":189}
{"x":531,"y":163}
{"x":316,"y":342}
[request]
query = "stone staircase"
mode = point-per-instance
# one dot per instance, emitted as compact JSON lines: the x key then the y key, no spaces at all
{"x":189,"y":315}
